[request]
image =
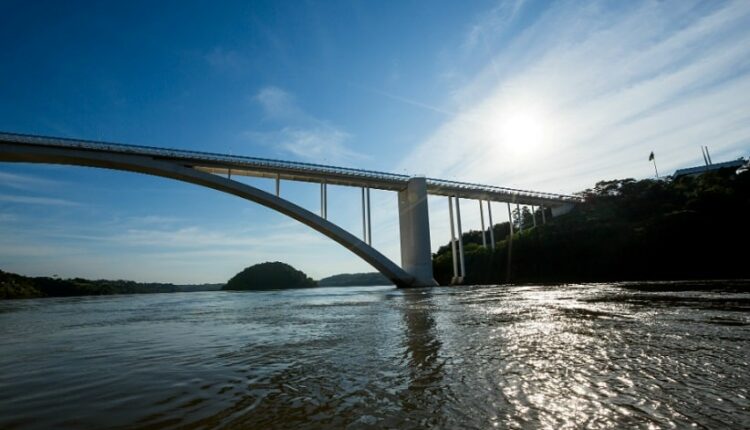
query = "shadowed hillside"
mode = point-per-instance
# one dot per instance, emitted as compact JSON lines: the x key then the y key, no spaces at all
{"x":270,"y":275}
{"x":689,"y":228}
{"x":13,"y":286}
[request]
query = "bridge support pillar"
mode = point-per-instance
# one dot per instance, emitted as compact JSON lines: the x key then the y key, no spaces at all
{"x":481,"y":217}
{"x":414,"y":226}
{"x":492,"y":226}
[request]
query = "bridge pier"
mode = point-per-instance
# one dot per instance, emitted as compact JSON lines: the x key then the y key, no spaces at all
{"x":461,"y":259}
{"x":454,"y":252}
{"x":323,"y":200}
{"x":414,"y":227}
{"x":481,"y":217}
{"x":369,"y":223}
{"x":366,"y":220}
{"x":492,"y":226}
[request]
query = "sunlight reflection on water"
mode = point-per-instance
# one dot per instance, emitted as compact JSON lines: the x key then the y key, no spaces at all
{"x":595,"y":356}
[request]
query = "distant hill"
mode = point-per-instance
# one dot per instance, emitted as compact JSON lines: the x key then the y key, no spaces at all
{"x":355,"y":280}
{"x":13,"y":286}
{"x":268,"y":276}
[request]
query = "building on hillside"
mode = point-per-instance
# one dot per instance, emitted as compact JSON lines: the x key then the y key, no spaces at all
{"x":699,"y":170}
{"x":745,"y":168}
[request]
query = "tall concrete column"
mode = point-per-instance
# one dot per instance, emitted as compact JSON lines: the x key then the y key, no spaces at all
{"x":364,"y":216}
{"x":484,"y":232}
{"x":369,"y":223}
{"x":461,"y":259}
{"x":414,"y":226}
{"x":454,"y":253}
{"x":323,"y":200}
{"x":492,"y":226}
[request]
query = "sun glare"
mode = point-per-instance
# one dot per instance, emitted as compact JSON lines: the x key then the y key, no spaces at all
{"x":523,"y":133}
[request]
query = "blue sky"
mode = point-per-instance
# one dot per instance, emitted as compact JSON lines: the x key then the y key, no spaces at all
{"x":551,"y":96}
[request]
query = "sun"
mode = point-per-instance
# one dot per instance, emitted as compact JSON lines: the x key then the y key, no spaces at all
{"x":524,"y":133}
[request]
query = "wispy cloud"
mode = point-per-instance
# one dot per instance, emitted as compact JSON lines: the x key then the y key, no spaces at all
{"x":300,"y":134}
{"x":194,"y":237}
{"x":598,"y":90}
{"x":25,"y":182}
{"x":278,"y":104}
{"x":406,"y":100}
{"x":8,"y":217}
{"x":9,"y":198}
{"x":582,"y":93}
{"x":320,"y":144}
{"x":154,"y":220}
{"x":492,"y":25}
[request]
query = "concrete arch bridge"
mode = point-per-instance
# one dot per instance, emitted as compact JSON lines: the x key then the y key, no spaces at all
{"x":216,"y":170}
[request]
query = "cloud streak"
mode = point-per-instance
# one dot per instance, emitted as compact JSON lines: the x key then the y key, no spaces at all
{"x":608,"y":88}
{"x":300,"y":134}
{"x":25,"y":182}
{"x":27,"y":200}
{"x":584,"y":93}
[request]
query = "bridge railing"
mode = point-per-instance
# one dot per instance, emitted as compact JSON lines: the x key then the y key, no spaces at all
{"x":270,"y":164}
{"x":492,"y":189}
{"x":198,"y":156}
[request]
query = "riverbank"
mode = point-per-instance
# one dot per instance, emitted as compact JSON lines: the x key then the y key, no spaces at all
{"x":14,"y":286}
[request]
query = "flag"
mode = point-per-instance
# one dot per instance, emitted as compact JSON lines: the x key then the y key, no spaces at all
{"x":651,"y":157}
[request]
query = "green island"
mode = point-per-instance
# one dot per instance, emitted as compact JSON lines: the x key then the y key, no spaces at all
{"x":692,"y":227}
{"x":269,"y":275}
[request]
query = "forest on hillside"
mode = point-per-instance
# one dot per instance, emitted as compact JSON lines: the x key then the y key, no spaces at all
{"x":14,"y":286}
{"x":693,"y":227}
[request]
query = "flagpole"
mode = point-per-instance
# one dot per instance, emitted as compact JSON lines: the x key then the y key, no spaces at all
{"x":651,"y":157}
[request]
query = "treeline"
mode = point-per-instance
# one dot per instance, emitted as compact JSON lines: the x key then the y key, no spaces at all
{"x":13,"y":286}
{"x":687,"y":228}
{"x":355,"y":279}
{"x":270,"y":275}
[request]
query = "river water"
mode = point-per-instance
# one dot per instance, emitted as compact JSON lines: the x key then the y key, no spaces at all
{"x":574,"y":356}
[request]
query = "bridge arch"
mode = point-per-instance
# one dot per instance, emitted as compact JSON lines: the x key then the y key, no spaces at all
{"x":152,"y":165}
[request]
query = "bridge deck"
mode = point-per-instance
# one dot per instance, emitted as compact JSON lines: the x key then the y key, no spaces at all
{"x":298,"y":171}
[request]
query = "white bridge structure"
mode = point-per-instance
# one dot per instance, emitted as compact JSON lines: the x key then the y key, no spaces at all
{"x":216,"y":170}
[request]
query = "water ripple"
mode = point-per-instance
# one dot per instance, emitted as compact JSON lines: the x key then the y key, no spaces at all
{"x":664,"y":355}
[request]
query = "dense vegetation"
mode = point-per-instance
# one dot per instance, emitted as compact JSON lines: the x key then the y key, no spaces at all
{"x":355,"y":279}
{"x":14,"y":286}
{"x":687,"y":228}
{"x":271,"y":275}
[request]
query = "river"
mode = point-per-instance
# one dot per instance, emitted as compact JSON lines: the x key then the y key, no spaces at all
{"x":573,"y":356}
